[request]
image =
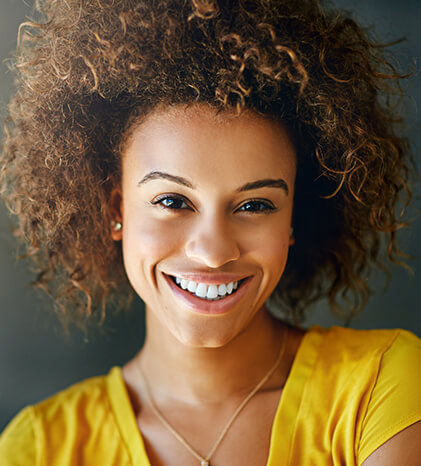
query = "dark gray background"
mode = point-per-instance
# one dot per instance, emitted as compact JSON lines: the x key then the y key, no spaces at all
{"x":36,"y":359}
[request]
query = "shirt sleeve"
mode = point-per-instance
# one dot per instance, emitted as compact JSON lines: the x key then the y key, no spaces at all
{"x":395,"y":401}
{"x":18,"y":443}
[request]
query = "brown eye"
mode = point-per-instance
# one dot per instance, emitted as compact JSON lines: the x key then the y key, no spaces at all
{"x":171,"y":202}
{"x":256,"y":206}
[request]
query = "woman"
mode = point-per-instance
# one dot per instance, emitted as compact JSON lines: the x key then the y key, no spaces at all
{"x":213,"y":155}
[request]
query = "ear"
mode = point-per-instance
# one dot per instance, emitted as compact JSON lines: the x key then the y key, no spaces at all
{"x":116,"y":209}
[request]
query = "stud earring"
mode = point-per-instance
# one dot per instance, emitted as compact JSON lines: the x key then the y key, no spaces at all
{"x":117,"y":226}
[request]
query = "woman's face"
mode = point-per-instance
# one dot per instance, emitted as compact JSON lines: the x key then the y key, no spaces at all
{"x":206,"y":203}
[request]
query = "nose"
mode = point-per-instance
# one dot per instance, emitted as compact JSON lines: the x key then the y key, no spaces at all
{"x":212,"y":242}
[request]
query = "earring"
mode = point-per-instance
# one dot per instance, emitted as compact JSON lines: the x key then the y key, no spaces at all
{"x":117,"y":226}
{"x":291,"y":231}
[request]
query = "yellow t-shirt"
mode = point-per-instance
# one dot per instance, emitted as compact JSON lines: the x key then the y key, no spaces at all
{"x":347,"y":393}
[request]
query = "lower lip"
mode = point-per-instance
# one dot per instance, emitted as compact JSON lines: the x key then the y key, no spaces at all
{"x":203,"y":306}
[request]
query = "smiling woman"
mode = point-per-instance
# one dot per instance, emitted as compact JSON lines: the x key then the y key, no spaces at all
{"x":223,"y":189}
{"x":208,"y":156}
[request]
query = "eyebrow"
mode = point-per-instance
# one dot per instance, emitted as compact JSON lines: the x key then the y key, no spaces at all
{"x":265,"y":183}
{"x":156,"y":175}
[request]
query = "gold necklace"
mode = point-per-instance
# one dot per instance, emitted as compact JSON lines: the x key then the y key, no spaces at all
{"x":205,"y":461}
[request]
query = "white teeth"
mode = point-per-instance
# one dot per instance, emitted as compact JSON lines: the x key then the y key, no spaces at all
{"x":201,"y":290}
{"x":212,"y":292}
{"x":192,"y":287}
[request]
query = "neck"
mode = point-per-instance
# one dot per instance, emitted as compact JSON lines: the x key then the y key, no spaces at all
{"x":201,"y":375}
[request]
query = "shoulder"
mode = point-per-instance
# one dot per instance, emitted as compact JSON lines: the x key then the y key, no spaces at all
{"x":379,"y":350}
{"x":84,"y":402}
{"x":81,"y":394}
{"x":364,"y":386}
{"x":18,"y":442}
{"x":395,"y":401}
{"x":69,"y":413}
{"x":378,"y":366}
{"x":344,"y":338}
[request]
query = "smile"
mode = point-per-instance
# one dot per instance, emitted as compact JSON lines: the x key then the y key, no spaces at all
{"x":207,"y":292}
{"x":193,"y":295}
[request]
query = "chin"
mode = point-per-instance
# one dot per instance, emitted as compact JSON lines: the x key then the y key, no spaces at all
{"x":203,"y":338}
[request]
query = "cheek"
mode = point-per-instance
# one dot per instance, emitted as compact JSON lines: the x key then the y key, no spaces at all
{"x":269,"y":251}
{"x":146,"y":243}
{"x":275,"y":254}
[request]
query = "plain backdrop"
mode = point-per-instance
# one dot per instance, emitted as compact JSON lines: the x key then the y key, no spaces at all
{"x":36,"y":359}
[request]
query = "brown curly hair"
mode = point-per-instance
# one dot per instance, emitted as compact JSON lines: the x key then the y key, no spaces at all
{"x":88,"y":70}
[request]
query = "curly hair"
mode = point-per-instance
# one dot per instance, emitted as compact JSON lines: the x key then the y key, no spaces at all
{"x":88,"y":70}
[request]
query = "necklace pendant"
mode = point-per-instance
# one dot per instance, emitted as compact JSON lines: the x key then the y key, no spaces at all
{"x":204,"y":463}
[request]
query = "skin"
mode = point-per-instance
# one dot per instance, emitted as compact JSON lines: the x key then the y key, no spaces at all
{"x":403,"y":448}
{"x":199,"y":367}
{"x":211,"y":234}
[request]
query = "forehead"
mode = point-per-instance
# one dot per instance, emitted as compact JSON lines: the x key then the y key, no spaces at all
{"x":197,"y":140}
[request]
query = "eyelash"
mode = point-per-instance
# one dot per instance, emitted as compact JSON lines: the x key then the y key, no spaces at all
{"x":268,"y":208}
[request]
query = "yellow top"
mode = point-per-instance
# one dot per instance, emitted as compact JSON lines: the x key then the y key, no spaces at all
{"x":347,"y":393}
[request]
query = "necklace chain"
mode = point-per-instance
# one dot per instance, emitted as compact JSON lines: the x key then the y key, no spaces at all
{"x":205,"y":461}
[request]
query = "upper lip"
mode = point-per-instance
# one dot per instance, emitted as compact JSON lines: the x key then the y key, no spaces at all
{"x":210,"y":278}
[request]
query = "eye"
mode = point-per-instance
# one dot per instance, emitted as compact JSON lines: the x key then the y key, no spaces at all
{"x":171,"y":201}
{"x":256,"y":205}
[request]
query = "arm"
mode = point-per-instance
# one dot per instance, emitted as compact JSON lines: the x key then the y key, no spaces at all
{"x":393,"y":416}
{"x":402,"y":449}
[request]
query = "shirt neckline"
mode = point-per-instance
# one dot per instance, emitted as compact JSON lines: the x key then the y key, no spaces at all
{"x":285,"y":420}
